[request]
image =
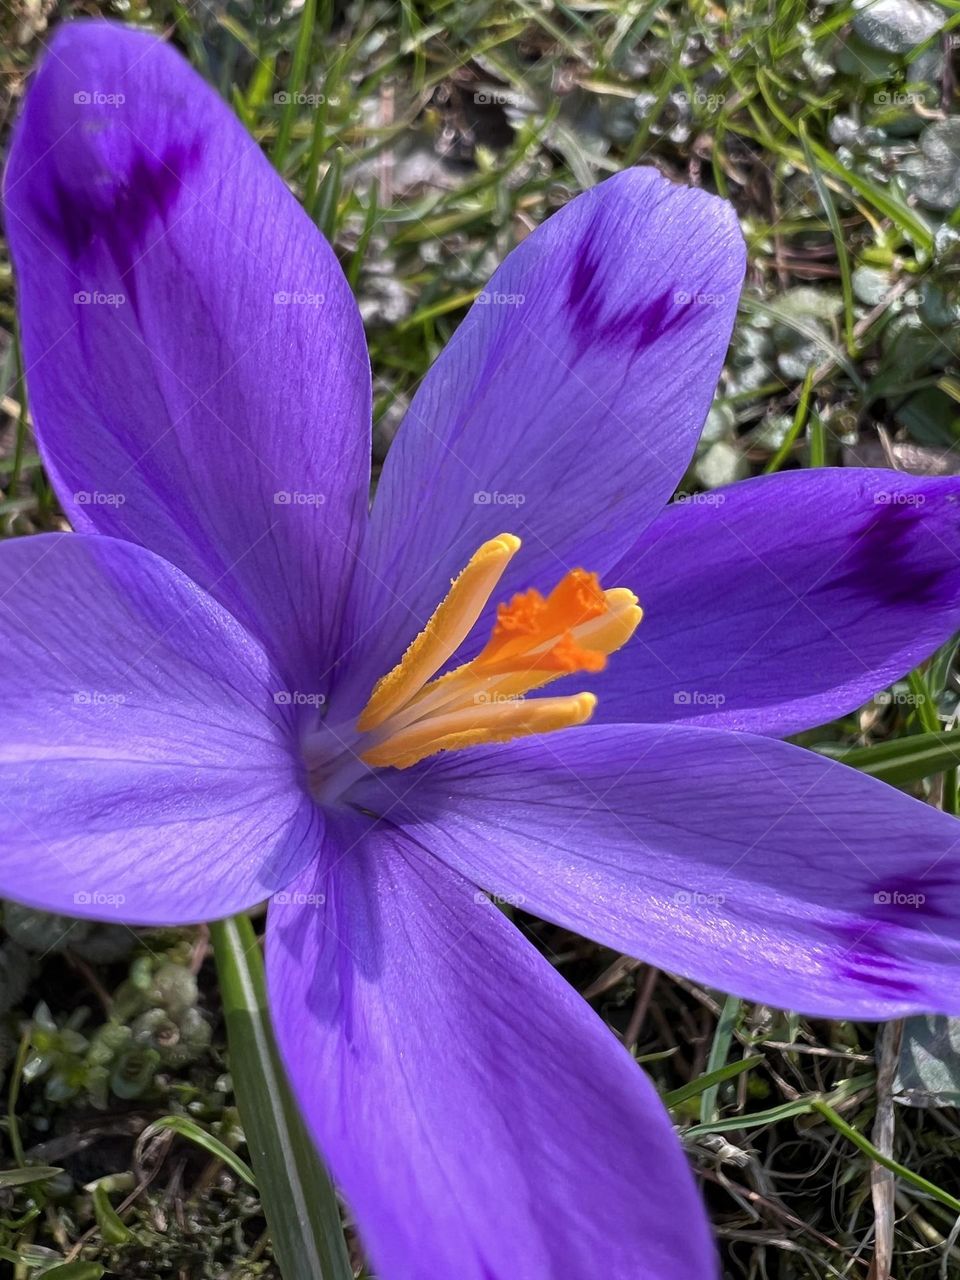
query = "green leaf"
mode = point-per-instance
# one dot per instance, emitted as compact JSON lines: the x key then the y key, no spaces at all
{"x":74,"y":1271}
{"x":706,"y":1081}
{"x":816,"y":442}
{"x":785,"y":1111}
{"x":24,"y":1176}
{"x":839,"y":240}
{"x":799,"y":422}
{"x":903,"y":761}
{"x":297,"y":1196}
{"x":187,"y":1128}
{"x":723,"y":1038}
{"x":301,"y":58}
{"x":112,"y":1227}
{"x":867,"y":1147}
{"x":940,"y":665}
{"x":885,"y":199}
{"x":328,"y":196}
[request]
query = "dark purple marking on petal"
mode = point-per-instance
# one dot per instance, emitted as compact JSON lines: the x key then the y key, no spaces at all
{"x":868,"y":961}
{"x":559,"y":398}
{"x":634,"y":326}
{"x":798,"y":619}
{"x":884,"y":563}
{"x":584,"y":295}
{"x":874,"y":971}
{"x":196,"y":386}
{"x":925,"y":893}
{"x":124,"y":206}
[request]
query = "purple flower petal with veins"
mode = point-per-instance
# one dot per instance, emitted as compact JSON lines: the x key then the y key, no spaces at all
{"x":233,"y":682}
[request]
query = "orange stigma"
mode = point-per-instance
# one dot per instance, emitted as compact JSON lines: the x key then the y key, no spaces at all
{"x":411,"y":715}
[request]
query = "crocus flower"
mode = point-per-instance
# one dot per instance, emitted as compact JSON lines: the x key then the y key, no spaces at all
{"x":235,"y":682}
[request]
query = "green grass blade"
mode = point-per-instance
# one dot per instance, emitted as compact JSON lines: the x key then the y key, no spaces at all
{"x":843,"y":258}
{"x":324,"y":210}
{"x":25,"y":1177}
{"x":915,"y":1180}
{"x":785,"y":1111}
{"x":705,"y":1082}
{"x":369,"y":222}
{"x":904,"y":760}
{"x":301,"y":58}
{"x":75,"y":1271}
{"x":190,"y":1130}
{"x":816,"y":442}
{"x":799,"y":422}
{"x":729,"y":1016}
{"x":113,"y":1230}
{"x":925,"y":704}
{"x":296,"y":1193}
{"x":910,"y":221}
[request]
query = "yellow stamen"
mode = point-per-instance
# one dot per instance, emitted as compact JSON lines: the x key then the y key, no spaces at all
{"x":487,"y":722}
{"x":449,"y":625}
{"x":536,"y":639}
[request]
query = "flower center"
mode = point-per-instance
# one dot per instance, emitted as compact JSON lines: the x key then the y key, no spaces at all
{"x":411,"y":715}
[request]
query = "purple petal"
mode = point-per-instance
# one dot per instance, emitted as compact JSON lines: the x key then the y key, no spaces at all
{"x":783,"y":602}
{"x":481,"y":1121}
{"x":566,"y":406}
{"x":181,"y":403}
{"x":145,"y":773}
{"x":737,"y":860}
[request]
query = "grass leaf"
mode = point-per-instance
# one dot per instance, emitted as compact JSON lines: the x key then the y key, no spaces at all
{"x":298,"y":1198}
